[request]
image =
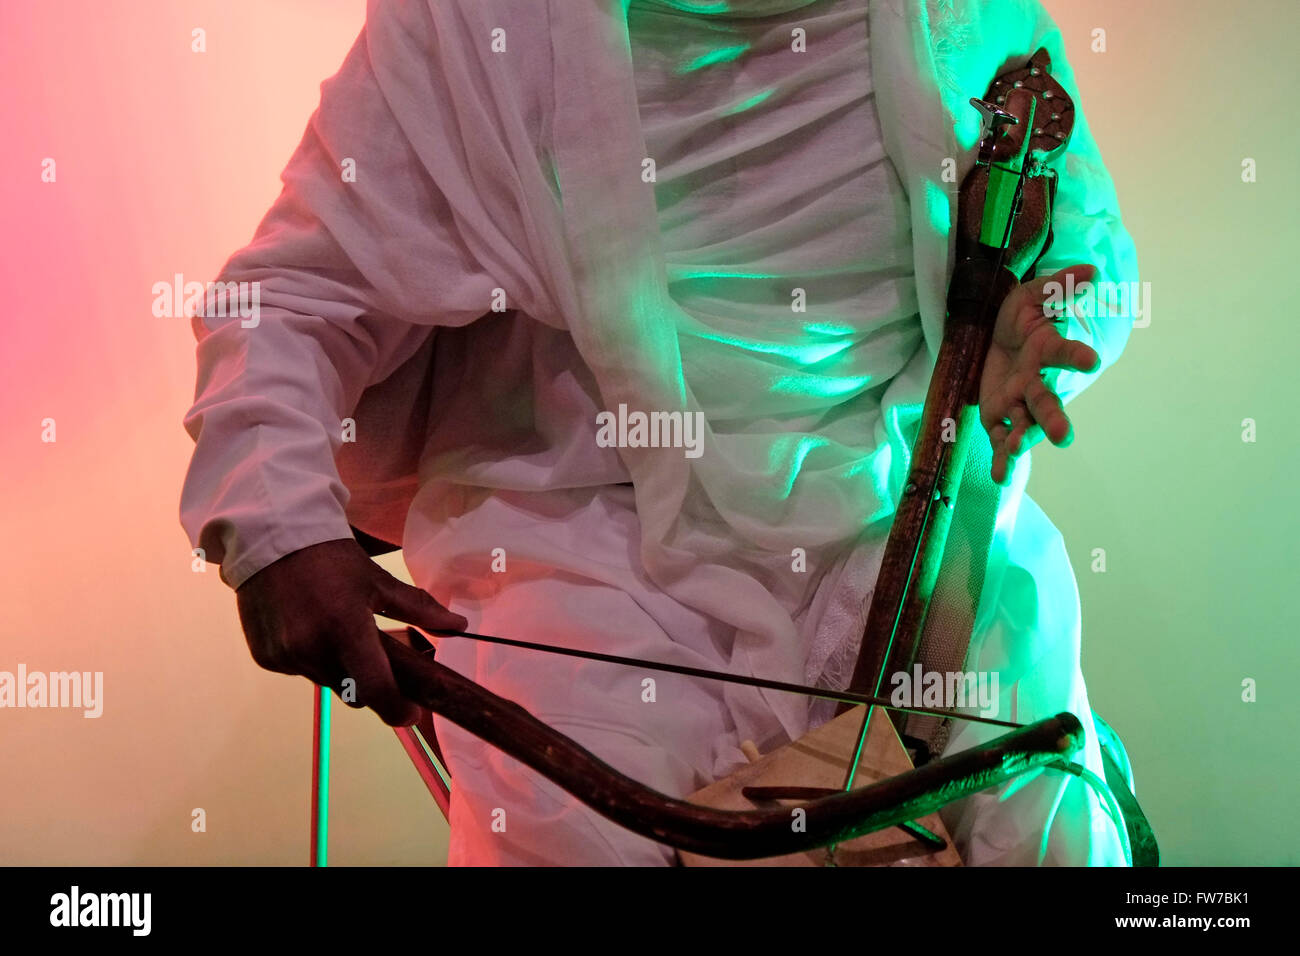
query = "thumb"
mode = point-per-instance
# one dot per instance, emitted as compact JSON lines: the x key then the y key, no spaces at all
{"x":1070,"y":281}
{"x":416,"y":606}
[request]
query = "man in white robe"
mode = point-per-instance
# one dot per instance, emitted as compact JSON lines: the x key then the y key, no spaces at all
{"x":505,"y":219}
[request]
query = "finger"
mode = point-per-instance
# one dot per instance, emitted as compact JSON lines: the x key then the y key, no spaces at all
{"x":1071,"y":277}
{"x":417,"y":606}
{"x":1032,"y":436}
{"x":263,"y":628}
{"x":1001,"y":466}
{"x":1004,"y":466}
{"x":1020,"y":425}
{"x":1047,"y":297}
{"x":1061,"y":352}
{"x":414,"y":638}
{"x":996,"y":411}
{"x":1005,"y":455}
{"x":1048,"y":412}
{"x":328,"y":673}
{"x":363,"y":659}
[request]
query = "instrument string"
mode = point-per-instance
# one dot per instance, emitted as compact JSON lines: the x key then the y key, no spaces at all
{"x":822,"y":693}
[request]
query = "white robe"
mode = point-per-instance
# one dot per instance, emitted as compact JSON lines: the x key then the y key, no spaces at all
{"x":488,"y":176}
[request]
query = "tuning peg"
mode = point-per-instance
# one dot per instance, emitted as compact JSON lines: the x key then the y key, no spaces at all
{"x":992,"y":117}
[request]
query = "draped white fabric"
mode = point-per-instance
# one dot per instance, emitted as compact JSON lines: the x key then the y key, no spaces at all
{"x":515,"y":175}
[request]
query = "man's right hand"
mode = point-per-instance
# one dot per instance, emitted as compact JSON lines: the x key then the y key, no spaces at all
{"x":312,"y":613}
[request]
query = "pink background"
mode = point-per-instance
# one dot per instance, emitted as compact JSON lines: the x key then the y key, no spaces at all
{"x":166,"y":160}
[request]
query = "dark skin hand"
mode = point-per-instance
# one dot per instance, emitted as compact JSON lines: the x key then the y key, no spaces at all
{"x":312,"y":613}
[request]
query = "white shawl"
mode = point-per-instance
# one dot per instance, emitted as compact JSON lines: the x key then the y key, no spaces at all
{"x":533,"y":155}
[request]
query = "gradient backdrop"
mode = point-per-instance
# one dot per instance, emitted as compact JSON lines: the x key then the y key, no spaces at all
{"x":166,"y":160}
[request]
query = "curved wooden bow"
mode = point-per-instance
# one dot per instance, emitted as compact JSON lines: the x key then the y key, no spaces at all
{"x":726,"y":834}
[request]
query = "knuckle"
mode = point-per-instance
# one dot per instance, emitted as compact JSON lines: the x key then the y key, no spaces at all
{"x":302,"y":642}
{"x":268,"y":656}
{"x":277,"y":655}
{"x":381,"y":587}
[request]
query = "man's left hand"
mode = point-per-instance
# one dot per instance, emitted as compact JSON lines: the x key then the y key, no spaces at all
{"x":1017,"y":407}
